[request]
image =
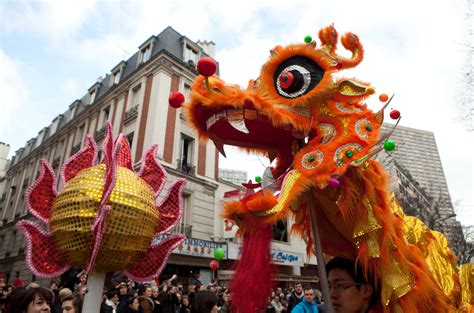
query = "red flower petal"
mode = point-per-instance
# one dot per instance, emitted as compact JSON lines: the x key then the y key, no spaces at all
{"x":39,"y":196}
{"x":152,"y":171}
{"x":110,"y":164}
{"x":98,"y":228}
{"x":171,"y":208}
{"x":123,"y":153}
{"x":152,"y":263}
{"x":85,"y":158}
{"x":41,"y":255}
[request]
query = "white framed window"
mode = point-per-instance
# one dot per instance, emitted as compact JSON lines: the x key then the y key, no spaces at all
{"x":105,"y":115}
{"x":116,"y":76}
{"x":186,"y":155}
{"x":116,"y":73}
{"x":187,"y":90}
{"x":92,"y":96}
{"x":135,"y":97}
{"x":145,"y":53}
{"x":191,"y":54}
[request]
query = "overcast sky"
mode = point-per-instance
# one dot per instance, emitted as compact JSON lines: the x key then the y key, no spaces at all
{"x":51,"y":52}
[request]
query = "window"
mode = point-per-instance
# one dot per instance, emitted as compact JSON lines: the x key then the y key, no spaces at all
{"x":145,"y":53}
{"x":12,"y":241}
{"x":116,"y":73}
{"x":190,"y":54}
{"x":145,"y":50}
{"x":186,"y":155}
{"x":116,"y":76}
{"x":280,"y":231}
{"x":135,"y":99}
{"x":80,"y":133}
{"x":130,"y":139}
{"x":105,"y":116}
{"x":187,"y":91}
{"x":92,"y":94}
{"x":185,"y":226}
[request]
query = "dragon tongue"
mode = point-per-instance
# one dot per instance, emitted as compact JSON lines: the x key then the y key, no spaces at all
{"x":220,"y":147}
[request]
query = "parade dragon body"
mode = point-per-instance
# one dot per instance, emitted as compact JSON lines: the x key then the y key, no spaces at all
{"x":105,"y":218}
{"x":322,"y":137}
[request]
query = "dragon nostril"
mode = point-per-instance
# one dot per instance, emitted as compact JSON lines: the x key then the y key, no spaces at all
{"x":286,"y":79}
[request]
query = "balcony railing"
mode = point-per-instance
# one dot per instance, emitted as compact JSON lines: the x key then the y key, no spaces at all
{"x":184,"y":229}
{"x":186,"y":167}
{"x":99,"y":134}
{"x":131,"y":114}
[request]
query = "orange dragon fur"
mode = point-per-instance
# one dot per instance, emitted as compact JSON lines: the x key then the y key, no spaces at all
{"x":327,"y":132}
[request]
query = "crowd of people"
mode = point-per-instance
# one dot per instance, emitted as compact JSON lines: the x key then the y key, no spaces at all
{"x":350,"y":292}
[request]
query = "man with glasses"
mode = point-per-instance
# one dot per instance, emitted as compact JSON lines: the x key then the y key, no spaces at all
{"x":350,"y":291}
{"x":308,"y":305}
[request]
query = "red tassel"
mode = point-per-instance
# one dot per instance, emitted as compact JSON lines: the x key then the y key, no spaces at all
{"x":253,"y":278}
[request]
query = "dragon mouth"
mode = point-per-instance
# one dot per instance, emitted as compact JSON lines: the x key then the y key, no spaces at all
{"x":245,"y":127}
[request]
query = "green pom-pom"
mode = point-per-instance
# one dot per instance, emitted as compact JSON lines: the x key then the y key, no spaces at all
{"x":258,"y":179}
{"x":308,"y":39}
{"x":389,"y":145}
{"x":219,"y":254}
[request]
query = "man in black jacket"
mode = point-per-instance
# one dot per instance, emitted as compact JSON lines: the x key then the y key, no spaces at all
{"x":296,"y":297}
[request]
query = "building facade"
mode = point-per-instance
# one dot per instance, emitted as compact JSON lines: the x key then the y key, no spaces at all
{"x":134,"y":98}
{"x":418,"y":180}
{"x":234,"y":176}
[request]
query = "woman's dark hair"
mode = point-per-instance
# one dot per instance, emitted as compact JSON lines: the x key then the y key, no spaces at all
{"x":111,"y":293}
{"x":356,"y":273}
{"x":22,"y":298}
{"x":203,"y":302}
{"x":76,"y":302}
{"x":130,"y":302}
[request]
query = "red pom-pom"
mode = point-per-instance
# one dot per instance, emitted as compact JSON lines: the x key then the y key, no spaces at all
{"x":214,"y":265}
{"x":395,"y":114}
{"x":206,"y":66}
{"x":286,"y":79}
{"x":339,"y":66}
{"x":383,"y":97}
{"x":176,"y":99}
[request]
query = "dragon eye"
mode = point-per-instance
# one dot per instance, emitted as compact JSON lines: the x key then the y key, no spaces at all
{"x":297,"y":76}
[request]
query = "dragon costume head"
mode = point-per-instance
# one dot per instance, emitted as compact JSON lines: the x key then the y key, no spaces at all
{"x":322,"y":136}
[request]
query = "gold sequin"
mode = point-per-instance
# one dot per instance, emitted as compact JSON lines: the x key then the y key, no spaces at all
{"x":283,"y":200}
{"x":397,"y":282}
{"x":130,"y":225}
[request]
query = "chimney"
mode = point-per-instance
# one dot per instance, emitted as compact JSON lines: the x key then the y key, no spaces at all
{"x":208,"y":47}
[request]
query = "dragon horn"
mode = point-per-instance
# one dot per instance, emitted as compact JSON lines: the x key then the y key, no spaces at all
{"x":350,"y":41}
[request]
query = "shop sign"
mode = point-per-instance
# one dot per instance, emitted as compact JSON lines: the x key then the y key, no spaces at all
{"x":279,"y":257}
{"x":195,"y":247}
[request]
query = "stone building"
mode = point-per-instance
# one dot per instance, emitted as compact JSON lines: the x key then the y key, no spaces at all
{"x":417,"y":177}
{"x":133,"y":96}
